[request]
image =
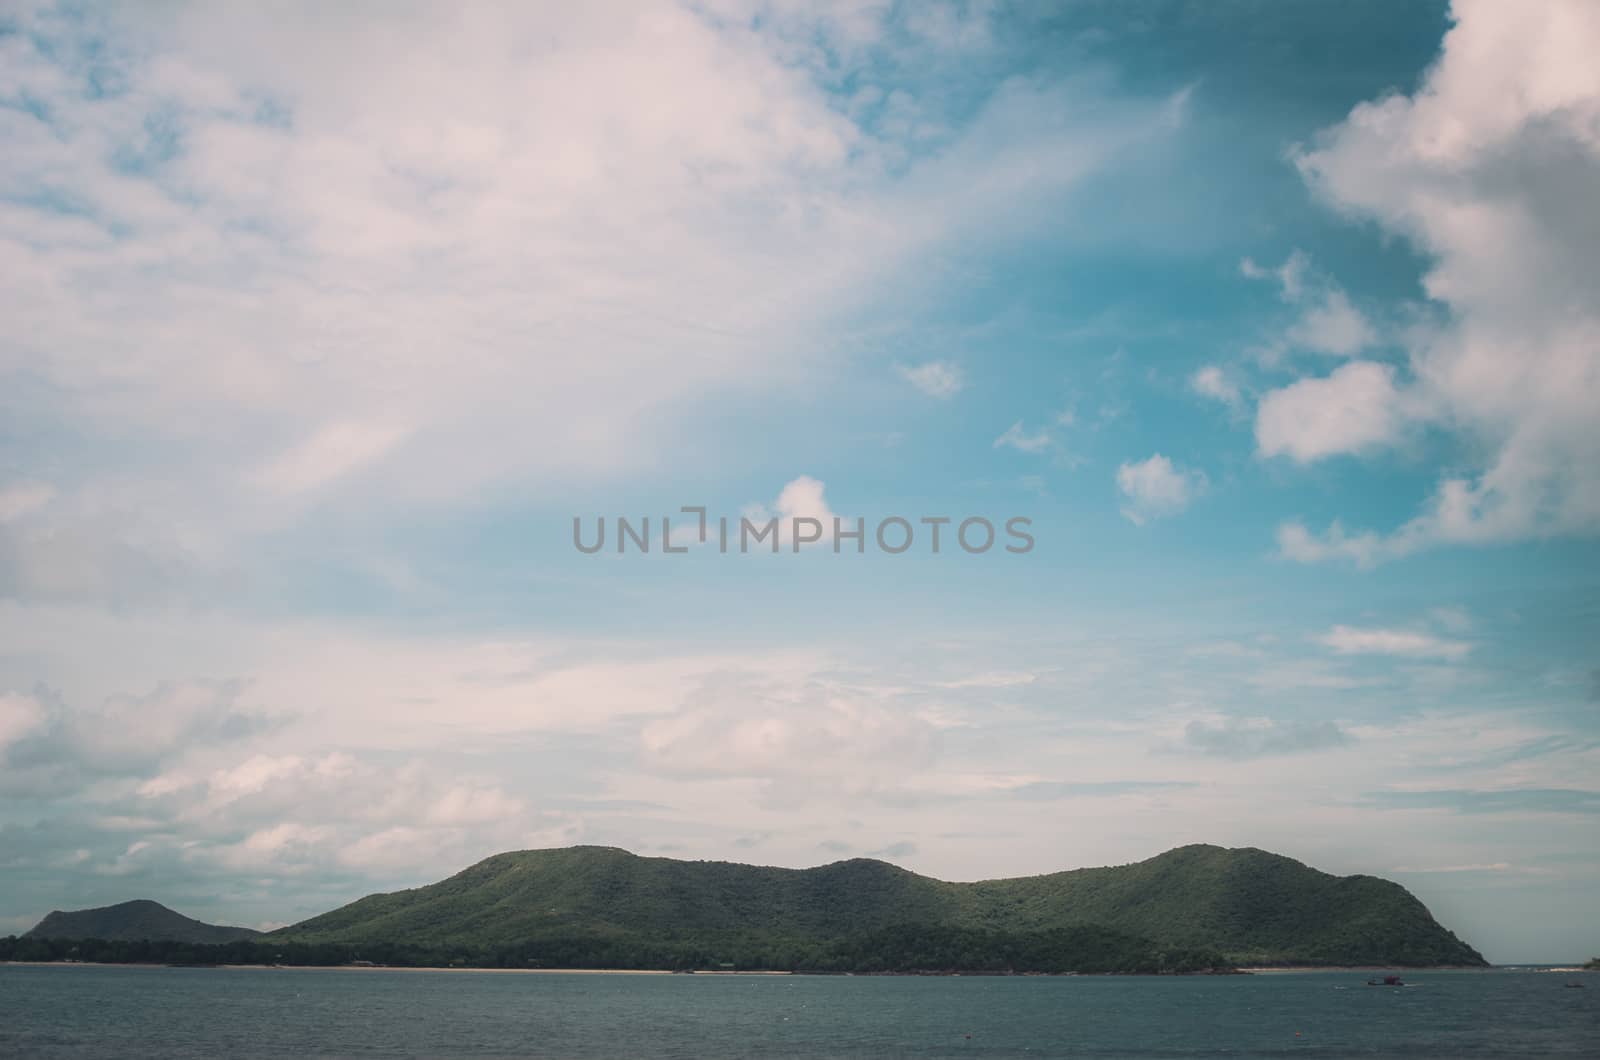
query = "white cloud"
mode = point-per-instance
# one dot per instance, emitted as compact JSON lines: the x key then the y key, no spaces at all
{"x":1210,"y":381}
{"x":1157,"y":488}
{"x":1489,"y":170}
{"x":1300,"y":544}
{"x":49,"y":748}
{"x":801,"y":498}
{"x":802,"y":740}
{"x":1354,"y":409}
{"x":1347,"y":640}
{"x":1021,"y":440}
{"x":418,"y":253}
{"x":1290,"y":276}
{"x":937,"y":379}
{"x":293,"y":814}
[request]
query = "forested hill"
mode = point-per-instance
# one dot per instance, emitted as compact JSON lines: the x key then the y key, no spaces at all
{"x":135,"y":921}
{"x":1246,"y":905}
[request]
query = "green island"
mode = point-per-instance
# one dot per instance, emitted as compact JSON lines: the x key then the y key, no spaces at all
{"x":1191,"y":910}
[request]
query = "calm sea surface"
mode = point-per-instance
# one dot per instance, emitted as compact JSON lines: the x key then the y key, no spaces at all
{"x":196,"y":1012}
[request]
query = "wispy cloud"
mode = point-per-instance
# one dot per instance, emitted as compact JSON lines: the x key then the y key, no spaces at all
{"x":901,"y":849}
{"x":1019,"y":438}
{"x":1327,"y":321}
{"x":1349,"y":640}
{"x":1257,"y":737}
{"x":937,"y":379}
{"x":1051,"y":790}
{"x":1212,"y":382}
{"x":292,"y":225}
{"x":1488,"y":801}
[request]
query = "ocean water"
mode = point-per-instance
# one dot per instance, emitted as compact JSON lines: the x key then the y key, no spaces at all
{"x":198,"y":1012}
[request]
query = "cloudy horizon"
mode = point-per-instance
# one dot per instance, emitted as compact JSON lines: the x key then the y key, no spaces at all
{"x":1283,"y":333}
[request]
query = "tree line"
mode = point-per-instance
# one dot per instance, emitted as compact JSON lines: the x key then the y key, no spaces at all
{"x":904,"y":949}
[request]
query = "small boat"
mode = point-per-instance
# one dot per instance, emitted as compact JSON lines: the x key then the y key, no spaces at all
{"x":1574,"y":986}
{"x":1388,"y":980}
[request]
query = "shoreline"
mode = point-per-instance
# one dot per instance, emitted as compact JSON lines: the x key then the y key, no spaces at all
{"x":1276,"y":969}
{"x":1289,"y":969}
{"x":367,"y":968}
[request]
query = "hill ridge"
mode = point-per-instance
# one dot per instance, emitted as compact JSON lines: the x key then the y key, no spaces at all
{"x":135,"y":920}
{"x":1248,"y":904}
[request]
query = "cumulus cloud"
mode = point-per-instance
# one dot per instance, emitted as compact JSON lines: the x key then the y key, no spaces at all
{"x":1348,"y":640}
{"x":297,"y":832}
{"x":1298,"y":543}
{"x":1156,"y":488}
{"x":293,"y":813}
{"x":187,"y":792}
{"x":1488,"y":170}
{"x":802,"y":498}
{"x":937,"y":379}
{"x":1357,"y":408}
{"x":48,"y":748}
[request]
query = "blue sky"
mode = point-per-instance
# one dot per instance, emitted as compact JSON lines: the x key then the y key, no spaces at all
{"x":1276,"y":320}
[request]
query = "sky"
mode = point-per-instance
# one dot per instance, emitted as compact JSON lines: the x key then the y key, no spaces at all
{"x":1277,"y":322}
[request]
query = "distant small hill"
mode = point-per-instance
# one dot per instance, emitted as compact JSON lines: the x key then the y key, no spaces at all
{"x":133,"y":921}
{"x":1247,"y":905}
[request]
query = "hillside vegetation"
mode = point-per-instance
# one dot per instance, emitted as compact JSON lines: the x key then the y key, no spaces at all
{"x":137,"y":921}
{"x":1184,"y":909}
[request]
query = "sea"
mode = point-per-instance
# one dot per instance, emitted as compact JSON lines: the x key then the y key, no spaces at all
{"x":102,"y":1011}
